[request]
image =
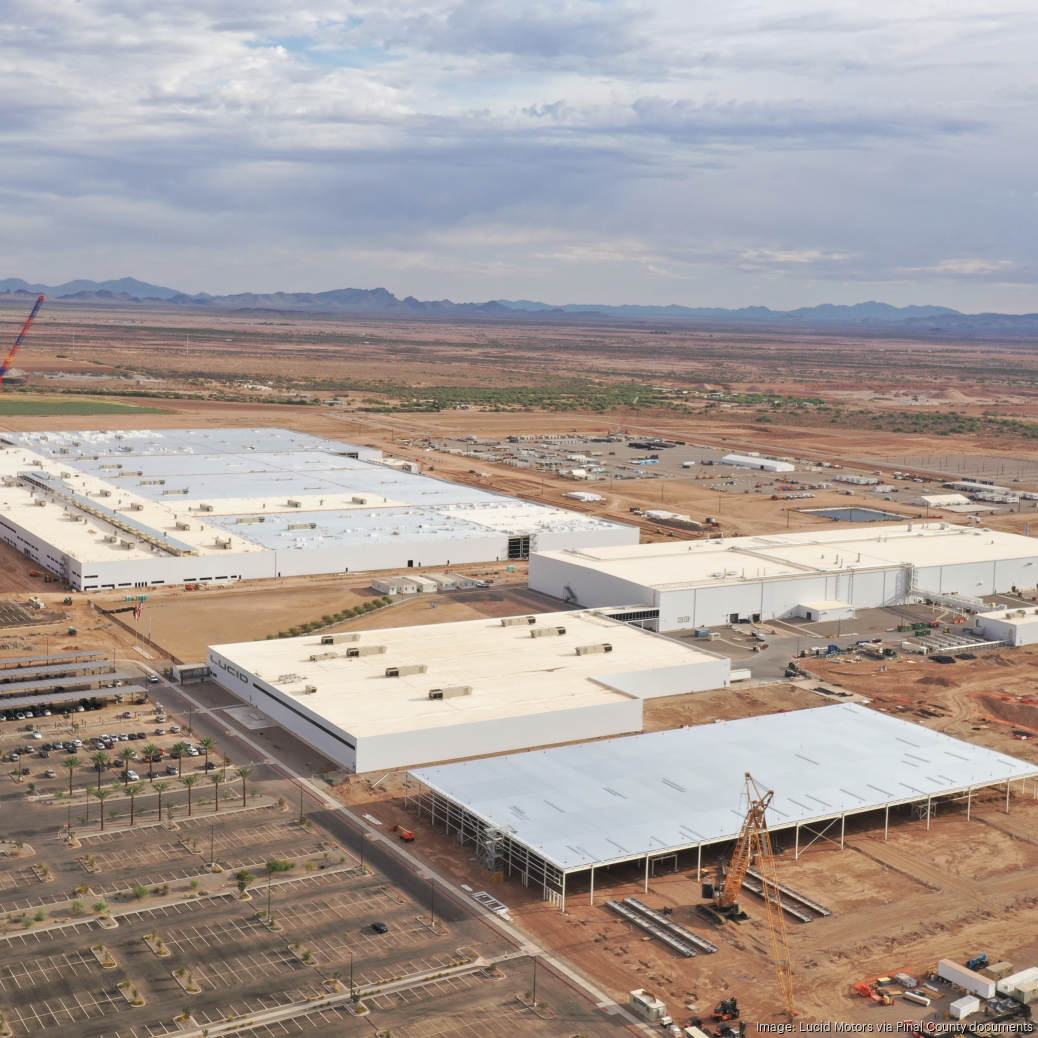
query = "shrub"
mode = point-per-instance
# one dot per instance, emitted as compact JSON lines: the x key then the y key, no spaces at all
{"x":279,"y":865}
{"x":294,"y":632}
{"x":368,"y":607}
{"x":327,"y":618}
{"x":140,"y":891}
{"x":100,"y":907}
{"x":77,"y":908}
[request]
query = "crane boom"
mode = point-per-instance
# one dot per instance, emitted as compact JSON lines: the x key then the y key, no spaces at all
{"x":754,"y":845}
{"x":9,"y":360}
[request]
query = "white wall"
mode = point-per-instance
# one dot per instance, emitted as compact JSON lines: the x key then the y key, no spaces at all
{"x":426,"y":746}
{"x":498,"y":735}
{"x":288,"y":711}
{"x":591,"y":587}
{"x":1021,"y":631}
{"x":700,"y":676}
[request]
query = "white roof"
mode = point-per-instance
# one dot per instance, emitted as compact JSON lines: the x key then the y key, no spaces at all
{"x":831,"y":603}
{"x":735,"y":560}
{"x":1009,"y":616}
{"x":511,"y":673}
{"x":258,"y":487}
{"x":940,"y":499}
{"x":617,"y":799}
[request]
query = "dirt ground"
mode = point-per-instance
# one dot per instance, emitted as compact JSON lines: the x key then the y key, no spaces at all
{"x":899,"y":903}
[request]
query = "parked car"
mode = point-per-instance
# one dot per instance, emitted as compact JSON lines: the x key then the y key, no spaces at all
{"x":175,"y":728}
{"x":152,"y":679}
{"x":37,"y":735}
{"x":160,"y":731}
{"x":379,"y":928}
{"x":50,"y":773}
{"x":131,"y":775}
{"x":142,"y":735}
{"x":210,"y":765}
{"x":171,"y":769}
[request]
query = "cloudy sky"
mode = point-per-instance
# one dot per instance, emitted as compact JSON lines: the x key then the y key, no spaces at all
{"x":785,"y":152}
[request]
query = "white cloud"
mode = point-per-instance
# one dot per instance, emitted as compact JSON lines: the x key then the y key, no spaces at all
{"x":643,"y":152}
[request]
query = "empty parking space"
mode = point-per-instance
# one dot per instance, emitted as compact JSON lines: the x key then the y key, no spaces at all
{"x":420,"y":992}
{"x":147,"y":853}
{"x":61,"y":1011}
{"x":493,"y":1021}
{"x":212,"y":935}
{"x":30,"y":972}
{"x":346,"y":904}
{"x":245,"y":970}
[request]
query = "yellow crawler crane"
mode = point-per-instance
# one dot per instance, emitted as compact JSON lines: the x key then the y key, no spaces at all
{"x":754,"y":846}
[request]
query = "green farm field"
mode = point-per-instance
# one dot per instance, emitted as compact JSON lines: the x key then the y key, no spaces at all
{"x":25,"y":404}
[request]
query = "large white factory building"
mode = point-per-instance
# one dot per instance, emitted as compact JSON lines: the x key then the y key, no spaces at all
{"x":686,"y":584}
{"x":133,"y":509}
{"x":412,"y":695}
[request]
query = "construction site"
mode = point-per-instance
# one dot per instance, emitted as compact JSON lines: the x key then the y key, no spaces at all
{"x":723,"y":723}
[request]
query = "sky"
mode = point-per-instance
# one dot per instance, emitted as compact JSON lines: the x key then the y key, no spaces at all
{"x":782,"y":153}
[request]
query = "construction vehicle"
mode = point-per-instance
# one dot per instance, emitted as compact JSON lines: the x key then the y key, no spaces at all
{"x":753,"y":847}
{"x":726,"y":1009}
{"x":9,"y":360}
{"x":405,"y":834}
{"x":978,"y":963}
{"x":868,"y":991}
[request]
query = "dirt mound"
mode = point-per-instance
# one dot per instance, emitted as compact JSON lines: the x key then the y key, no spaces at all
{"x":1010,"y":711}
{"x":941,"y":682}
{"x":1001,"y":661}
{"x":949,"y":394}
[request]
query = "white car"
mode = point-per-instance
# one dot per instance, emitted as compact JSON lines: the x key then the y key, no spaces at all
{"x":37,"y":735}
{"x":175,"y":728}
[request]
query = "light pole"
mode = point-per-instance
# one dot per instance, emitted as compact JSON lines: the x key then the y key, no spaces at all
{"x":212,"y":844}
{"x":351,"y":975}
{"x":432,"y":904}
{"x":268,"y":897}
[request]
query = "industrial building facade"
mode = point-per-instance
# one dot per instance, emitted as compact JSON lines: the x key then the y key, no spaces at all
{"x":714,"y":582}
{"x":140,"y":508}
{"x":410,"y":695}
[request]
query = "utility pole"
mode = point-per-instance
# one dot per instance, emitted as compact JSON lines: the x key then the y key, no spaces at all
{"x":432,"y":904}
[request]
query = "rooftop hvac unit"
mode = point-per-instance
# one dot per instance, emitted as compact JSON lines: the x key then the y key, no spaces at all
{"x":135,"y":507}
{"x":547,"y":632}
{"x":41,"y":503}
{"x":295,"y":504}
{"x":338,"y":639}
{"x":359,"y":500}
{"x":247,"y":519}
{"x":450,"y":692}
{"x":590,"y":650}
{"x":205,"y":508}
{"x":223,"y":542}
{"x":66,"y":475}
{"x":302,"y":526}
{"x":309,"y":689}
{"x":365,"y":650}
{"x":404,"y":669}
{"x":318,"y":656}
{"x":128,"y":545}
{"x":111,"y":538}
{"x":285,"y":678}
{"x":517,"y":621}
{"x":104,"y":493}
{"x":182,"y":525}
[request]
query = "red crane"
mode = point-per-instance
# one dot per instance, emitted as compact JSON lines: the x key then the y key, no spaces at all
{"x":5,"y":367}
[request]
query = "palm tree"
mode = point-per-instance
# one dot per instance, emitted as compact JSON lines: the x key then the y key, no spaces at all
{"x":189,"y":782}
{"x":127,"y":754}
{"x":160,"y":787}
{"x":216,"y":778}
{"x":181,"y":748}
{"x":100,"y":760}
{"x":207,"y":744}
{"x":102,"y":795}
{"x":151,"y":751}
{"x":243,"y":774}
{"x":133,"y":791}
{"x":71,"y":763}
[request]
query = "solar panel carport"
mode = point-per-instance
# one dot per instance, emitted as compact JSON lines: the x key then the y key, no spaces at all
{"x":81,"y":680}
{"x":548,"y":814}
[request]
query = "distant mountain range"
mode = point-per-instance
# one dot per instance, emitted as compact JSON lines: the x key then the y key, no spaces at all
{"x":374,"y":301}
